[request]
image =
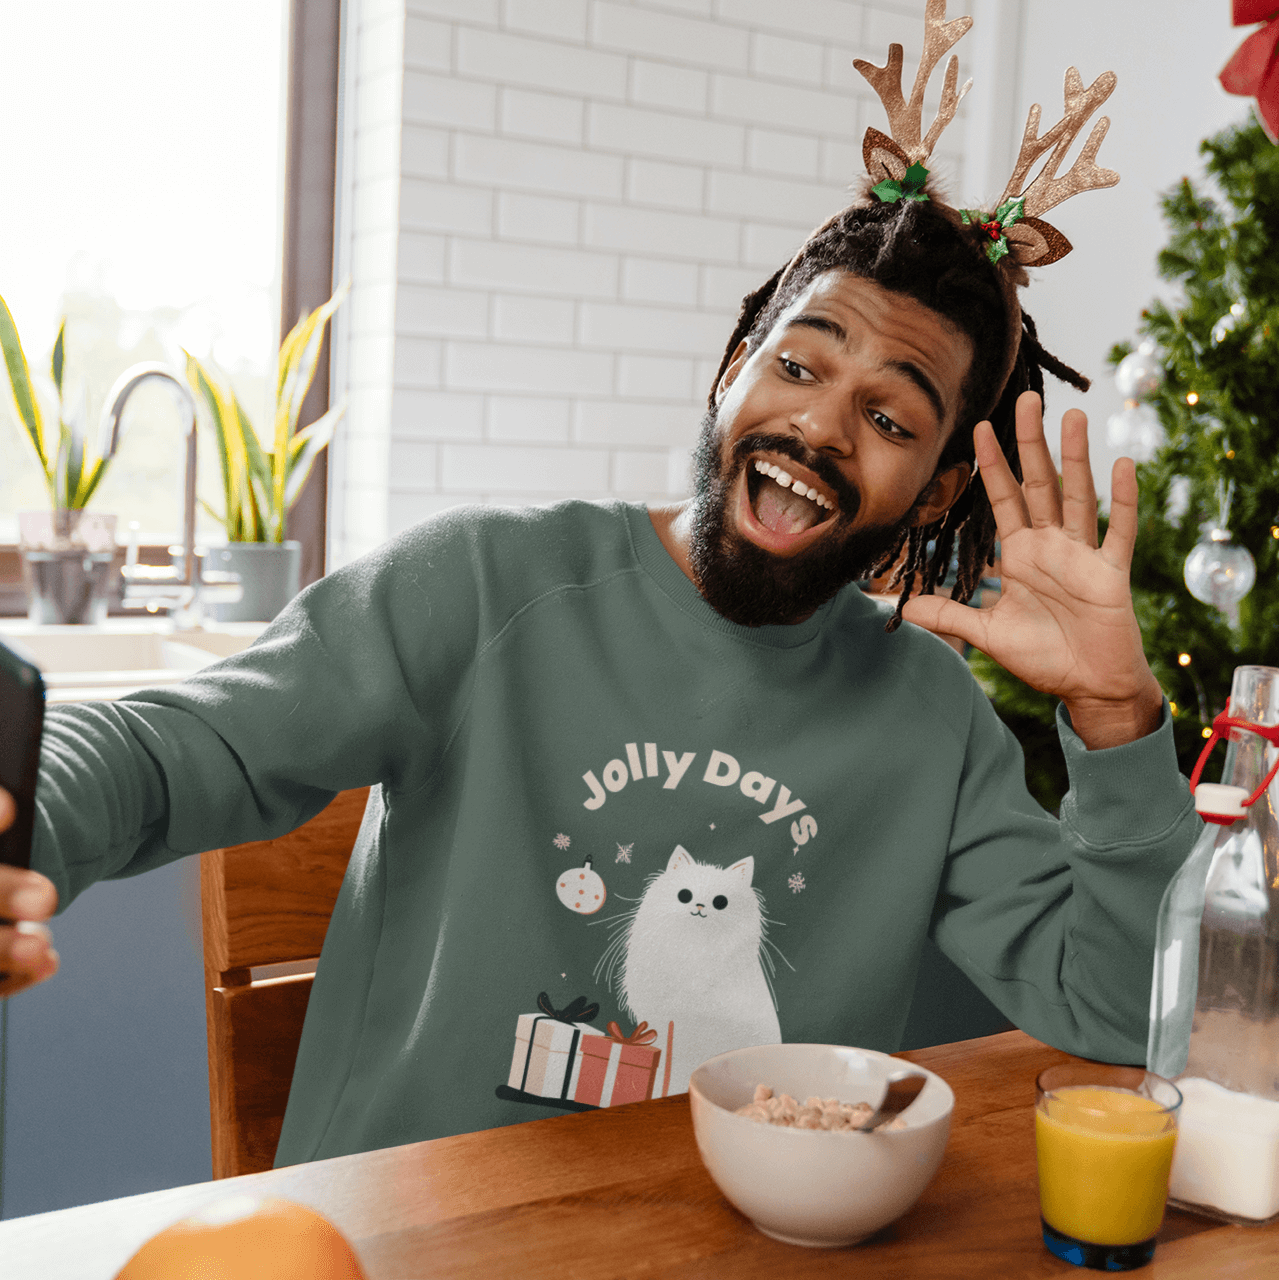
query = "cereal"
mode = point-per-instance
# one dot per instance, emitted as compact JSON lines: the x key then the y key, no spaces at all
{"x":812,"y":1113}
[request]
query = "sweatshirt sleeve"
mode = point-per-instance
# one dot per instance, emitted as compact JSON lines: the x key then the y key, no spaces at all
{"x":1054,"y":919}
{"x":359,"y":681}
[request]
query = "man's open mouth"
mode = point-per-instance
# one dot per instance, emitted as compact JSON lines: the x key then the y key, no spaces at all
{"x":786,"y":499}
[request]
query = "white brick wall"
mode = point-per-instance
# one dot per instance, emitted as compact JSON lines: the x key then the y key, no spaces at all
{"x":551,"y":211}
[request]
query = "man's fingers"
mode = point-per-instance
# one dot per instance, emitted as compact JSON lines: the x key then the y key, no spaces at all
{"x":946,"y":618}
{"x":1121,"y":535}
{"x":1040,"y":483}
{"x":1002,"y":489}
{"x":29,"y":941}
{"x":26,"y":895}
{"x":1079,"y":494}
{"x":27,"y":956}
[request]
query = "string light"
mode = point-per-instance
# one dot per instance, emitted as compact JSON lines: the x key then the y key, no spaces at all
{"x":1172,"y":706}
{"x":1274,"y":530}
{"x":1230,"y":453}
{"x":1193,"y":398}
{"x":1183,"y":659}
{"x":1207,"y":733}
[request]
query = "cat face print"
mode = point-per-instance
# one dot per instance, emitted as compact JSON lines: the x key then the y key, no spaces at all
{"x":696,"y":889}
{"x":702,"y":905}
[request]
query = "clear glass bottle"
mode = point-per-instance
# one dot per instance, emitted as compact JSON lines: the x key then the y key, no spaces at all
{"x":1214,"y":1016}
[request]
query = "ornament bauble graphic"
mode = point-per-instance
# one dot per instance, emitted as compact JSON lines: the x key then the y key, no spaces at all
{"x":581,"y":890}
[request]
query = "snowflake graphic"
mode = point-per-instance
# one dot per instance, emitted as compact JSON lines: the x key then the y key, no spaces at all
{"x":796,"y":882}
{"x":562,"y":841}
{"x":795,"y":850}
{"x":624,"y":852}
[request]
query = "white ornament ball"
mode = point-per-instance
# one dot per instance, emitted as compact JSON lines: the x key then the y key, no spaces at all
{"x":1140,"y":372}
{"x":1136,"y":431}
{"x":1220,"y":572}
{"x":581,"y":890}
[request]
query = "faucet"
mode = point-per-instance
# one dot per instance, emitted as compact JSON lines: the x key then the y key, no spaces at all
{"x":155,"y":587}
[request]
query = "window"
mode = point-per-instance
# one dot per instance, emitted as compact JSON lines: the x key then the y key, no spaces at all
{"x":144,"y":201}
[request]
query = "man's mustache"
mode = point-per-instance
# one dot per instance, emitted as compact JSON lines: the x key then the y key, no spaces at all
{"x":847,"y":495}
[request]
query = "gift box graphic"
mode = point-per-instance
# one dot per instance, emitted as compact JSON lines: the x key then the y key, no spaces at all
{"x":546,"y":1058}
{"x":617,"y":1068}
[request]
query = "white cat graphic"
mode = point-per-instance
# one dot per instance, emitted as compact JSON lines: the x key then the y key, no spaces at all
{"x":691,"y":963}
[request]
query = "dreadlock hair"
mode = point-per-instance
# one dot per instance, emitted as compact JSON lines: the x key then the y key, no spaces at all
{"x":923,"y":250}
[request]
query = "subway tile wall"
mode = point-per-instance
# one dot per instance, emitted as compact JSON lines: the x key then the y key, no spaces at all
{"x":550,"y":212}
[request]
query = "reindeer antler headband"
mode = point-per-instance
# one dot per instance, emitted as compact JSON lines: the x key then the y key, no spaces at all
{"x":889,"y":159}
{"x":1019,"y":237}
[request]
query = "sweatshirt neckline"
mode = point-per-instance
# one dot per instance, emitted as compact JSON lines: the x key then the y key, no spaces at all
{"x":674,"y":583}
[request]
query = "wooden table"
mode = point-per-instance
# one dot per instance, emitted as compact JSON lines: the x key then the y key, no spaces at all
{"x":622,"y":1193}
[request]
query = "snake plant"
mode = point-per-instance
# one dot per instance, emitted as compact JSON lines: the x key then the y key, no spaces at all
{"x":260,"y":486}
{"x":69,"y":474}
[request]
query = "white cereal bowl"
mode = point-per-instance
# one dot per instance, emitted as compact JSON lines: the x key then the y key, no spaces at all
{"x":814,"y":1186}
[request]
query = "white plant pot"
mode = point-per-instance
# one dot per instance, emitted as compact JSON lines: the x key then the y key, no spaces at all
{"x":270,"y":574}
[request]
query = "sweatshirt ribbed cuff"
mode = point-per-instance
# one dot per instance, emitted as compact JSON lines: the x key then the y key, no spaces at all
{"x":1130,"y":794}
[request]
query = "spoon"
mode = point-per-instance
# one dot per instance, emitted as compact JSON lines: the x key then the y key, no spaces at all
{"x":901,"y":1093}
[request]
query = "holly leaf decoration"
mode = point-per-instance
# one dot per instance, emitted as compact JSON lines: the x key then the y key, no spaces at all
{"x":1008,"y":213}
{"x":911,"y":187}
{"x":1011,"y":211}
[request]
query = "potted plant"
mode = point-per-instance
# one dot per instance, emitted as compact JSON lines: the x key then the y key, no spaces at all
{"x":66,"y":552}
{"x":260,"y":485}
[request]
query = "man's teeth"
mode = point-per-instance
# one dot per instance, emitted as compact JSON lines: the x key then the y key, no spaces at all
{"x":783,"y":478}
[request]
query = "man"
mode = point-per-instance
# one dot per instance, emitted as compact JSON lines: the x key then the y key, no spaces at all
{"x":691,"y":713}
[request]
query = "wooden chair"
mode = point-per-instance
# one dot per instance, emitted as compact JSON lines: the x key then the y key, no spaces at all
{"x":265,"y":904}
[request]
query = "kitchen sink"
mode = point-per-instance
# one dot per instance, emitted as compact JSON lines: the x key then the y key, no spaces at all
{"x":82,"y":663}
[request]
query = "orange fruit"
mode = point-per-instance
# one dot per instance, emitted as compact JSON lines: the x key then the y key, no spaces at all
{"x":246,"y":1238}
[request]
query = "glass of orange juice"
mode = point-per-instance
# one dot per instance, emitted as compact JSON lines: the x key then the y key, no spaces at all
{"x":1104,"y":1137}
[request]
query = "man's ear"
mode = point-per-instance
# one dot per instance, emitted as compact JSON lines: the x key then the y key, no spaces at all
{"x":733,"y":368}
{"x":943,"y":492}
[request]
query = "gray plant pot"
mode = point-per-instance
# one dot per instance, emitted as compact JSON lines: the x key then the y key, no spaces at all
{"x":270,"y":574}
{"x":67,"y":557}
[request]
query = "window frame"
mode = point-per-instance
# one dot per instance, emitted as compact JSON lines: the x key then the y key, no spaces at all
{"x":310,"y":204}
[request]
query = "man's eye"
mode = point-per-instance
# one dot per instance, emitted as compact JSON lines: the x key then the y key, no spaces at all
{"x":889,"y":427}
{"x":796,"y":371}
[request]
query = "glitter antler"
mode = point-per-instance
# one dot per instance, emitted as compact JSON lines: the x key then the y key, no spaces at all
{"x":1033,"y":242}
{"x":887,"y":157}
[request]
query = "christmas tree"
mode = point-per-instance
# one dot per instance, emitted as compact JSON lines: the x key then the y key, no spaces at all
{"x":1215,"y":360}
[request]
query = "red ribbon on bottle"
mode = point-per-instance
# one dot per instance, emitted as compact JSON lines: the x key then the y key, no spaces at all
{"x":1221,"y":727}
{"x":642,"y":1035}
{"x":1253,"y":72}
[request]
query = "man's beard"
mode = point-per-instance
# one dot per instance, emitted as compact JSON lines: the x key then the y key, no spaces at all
{"x":751,"y":586}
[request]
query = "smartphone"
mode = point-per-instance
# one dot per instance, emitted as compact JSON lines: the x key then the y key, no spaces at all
{"x":21,"y":723}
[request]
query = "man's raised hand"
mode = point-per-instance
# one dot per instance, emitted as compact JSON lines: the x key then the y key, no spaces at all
{"x":1064,"y":622}
{"x":26,"y":898}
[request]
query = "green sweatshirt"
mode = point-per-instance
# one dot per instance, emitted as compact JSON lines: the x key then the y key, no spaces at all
{"x":598,"y":802}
